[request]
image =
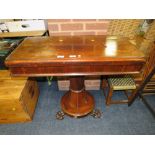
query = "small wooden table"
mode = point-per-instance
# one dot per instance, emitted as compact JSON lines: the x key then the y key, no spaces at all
{"x":75,"y":57}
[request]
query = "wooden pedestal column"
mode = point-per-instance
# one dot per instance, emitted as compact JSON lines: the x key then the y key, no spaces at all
{"x":77,"y":102}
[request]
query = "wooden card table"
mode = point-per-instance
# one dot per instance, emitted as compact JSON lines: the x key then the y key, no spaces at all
{"x":75,"y":57}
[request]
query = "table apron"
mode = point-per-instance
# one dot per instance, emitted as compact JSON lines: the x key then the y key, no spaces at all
{"x":71,"y":70}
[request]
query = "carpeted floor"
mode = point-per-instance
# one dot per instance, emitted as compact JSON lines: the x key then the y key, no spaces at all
{"x":117,"y":119}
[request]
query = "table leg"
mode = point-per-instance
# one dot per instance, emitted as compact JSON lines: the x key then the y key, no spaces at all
{"x":77,"y":102}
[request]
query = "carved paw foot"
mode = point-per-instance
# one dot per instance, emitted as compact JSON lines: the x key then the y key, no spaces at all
{"x":96,"y":113}
{"x":60,"y":115}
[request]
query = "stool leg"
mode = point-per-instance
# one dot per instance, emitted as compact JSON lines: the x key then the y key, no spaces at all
{"x":104,"y":87}
{"x":132,"y":94}
{"x":104,"y":84}
{"x":109,"y":96}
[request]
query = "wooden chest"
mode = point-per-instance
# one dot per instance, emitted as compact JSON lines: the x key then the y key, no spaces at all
{"x":18,"y":98}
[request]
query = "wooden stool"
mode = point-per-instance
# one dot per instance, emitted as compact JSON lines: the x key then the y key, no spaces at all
{"x":119,"y":83}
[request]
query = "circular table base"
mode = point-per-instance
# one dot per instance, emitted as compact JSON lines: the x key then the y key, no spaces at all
{"x":77,"y":104}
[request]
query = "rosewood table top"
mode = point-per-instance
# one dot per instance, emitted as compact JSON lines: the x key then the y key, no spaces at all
{"x":37,"y":56}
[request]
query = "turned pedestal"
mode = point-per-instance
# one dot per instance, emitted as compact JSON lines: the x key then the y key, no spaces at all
{"x":77,"y":102}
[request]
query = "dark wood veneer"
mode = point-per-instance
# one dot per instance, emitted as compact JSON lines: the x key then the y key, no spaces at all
{"x":75,"y":57}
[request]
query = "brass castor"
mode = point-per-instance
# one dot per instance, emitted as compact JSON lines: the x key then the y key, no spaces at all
{"x":60,"y":115}
{"x":96,"y":113}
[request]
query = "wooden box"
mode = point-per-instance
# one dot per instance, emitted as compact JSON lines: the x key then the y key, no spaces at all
{"x":91,"y":83}
{"x":18,"y":98}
